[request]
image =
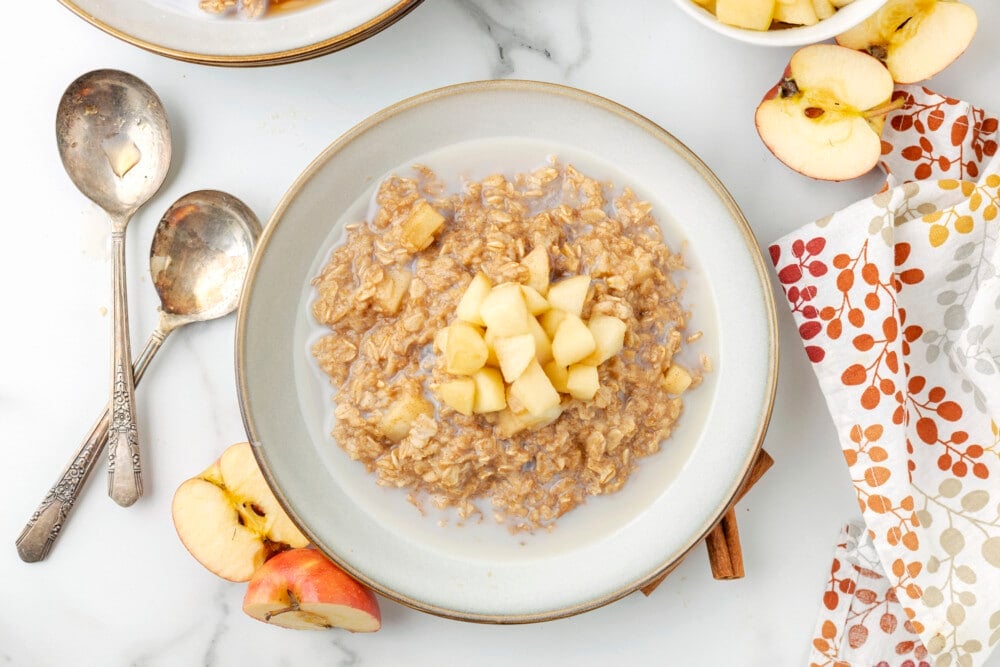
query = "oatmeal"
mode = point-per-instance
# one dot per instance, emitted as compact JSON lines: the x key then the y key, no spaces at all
{"x":396,"y":282}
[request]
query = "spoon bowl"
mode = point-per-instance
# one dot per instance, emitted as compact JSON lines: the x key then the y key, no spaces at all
{"x":113,"y":139}
{"x":200,"y":253}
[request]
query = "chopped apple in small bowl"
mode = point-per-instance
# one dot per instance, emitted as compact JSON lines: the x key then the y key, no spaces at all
{"x":780,"y":22}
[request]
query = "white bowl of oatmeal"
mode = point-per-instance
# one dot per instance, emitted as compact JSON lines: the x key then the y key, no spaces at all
{"x":290,"y":31}
{"x":512,"y":546}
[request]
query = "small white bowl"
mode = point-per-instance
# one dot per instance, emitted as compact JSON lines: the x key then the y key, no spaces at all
{"x":845,"y":18}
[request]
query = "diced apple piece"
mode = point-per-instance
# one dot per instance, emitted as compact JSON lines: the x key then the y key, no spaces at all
{"x":459,"y":394}
{"x":390,"y":292}
{"x":582,"y":381}
{"x":504,"y":311}
{"x":543,"y":346}
{"x":441,"y":340}
{"x":510,"y":423}
{"x":491,"y":358}
{"x":750,"y":14}
{"x":557,"y":375}
{"x":514,"y":355}
{"x":490,"y":395}
{"x":796,"y":12}
{"x":573,"y":341}
{"x":466,"y":351}
{"x":534,"y":391}
{"x":417,"y":231}
{"x":535,"y":302}
{"x":676,"y":380}
{"x":569,"y":294}
{"x":609,"y":338}
{"x":537,"y":263}
{"x":824,"y":9}
{"x":399,"y":417}
{"x":551,"y":320}
{"x":472,"y":299}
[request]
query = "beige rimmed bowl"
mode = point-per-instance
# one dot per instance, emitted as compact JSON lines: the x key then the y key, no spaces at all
{"x":179,"y":29}
{"x":846,"y":18}
{"x":609,"y":546}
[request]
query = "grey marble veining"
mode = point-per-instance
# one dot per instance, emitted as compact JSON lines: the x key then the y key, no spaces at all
{"x":560,"y":35}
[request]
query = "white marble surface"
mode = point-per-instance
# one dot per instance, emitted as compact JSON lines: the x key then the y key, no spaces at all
{"x":119,"y":588}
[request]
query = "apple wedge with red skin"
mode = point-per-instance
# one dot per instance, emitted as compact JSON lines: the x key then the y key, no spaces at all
{"x":303,"y":590}
{"x":915,"y":39}
{"x":824,"y":118}
{"x":228,"y":518}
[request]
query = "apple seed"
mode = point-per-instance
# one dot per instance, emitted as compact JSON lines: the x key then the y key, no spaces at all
{"x":813,"y":112}
{"x":788,"y":88}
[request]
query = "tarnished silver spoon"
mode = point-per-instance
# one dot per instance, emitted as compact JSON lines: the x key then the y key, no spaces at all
{"x":198,"y":259}
{"x":114,"y":142}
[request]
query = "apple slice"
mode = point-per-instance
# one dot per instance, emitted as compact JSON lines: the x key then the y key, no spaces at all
{"x":824,"y":118}
{"x":472,"y":299}
{"x":537,"y":263}
{"x":229,"y":519}
{"x":915,"y":38}
{"x":750,"y":14}
{"x":514,"y":355}
{"x":569,"y":294}
{"x":795,"y":12}
{"x":303,"y":590}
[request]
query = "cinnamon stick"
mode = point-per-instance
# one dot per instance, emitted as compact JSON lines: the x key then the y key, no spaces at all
{"x":724,"y":552}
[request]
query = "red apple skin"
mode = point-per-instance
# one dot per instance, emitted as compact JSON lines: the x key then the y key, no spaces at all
{"x":317,"y":584}
{"x":776,"y":88}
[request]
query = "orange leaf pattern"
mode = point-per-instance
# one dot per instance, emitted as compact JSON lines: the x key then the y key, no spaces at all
{"x":862,"y":616}
{"x":896,"y":299}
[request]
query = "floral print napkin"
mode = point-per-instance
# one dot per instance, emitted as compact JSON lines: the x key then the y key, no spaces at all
{"x":897,"y":301}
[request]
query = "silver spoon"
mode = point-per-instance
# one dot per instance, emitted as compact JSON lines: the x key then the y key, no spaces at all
{"x":199,"y":257}
{"x":114,"y":142}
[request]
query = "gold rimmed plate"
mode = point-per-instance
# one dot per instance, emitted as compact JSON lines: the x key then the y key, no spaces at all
{"x":611,"y":545}
{"x":179,"y":29}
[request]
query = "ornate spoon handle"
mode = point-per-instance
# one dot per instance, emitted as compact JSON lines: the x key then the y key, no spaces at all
{"x":124,"y":464}
{"x":46,"y":523}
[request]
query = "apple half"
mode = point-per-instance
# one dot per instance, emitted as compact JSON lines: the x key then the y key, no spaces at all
{"x":915,"y":39}
{"x":229,"y":519}
{"x":303,"y":590}
{"x":824,"y":118}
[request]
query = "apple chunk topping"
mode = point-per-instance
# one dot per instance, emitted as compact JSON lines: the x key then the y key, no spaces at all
{"x":915,"y":39}
{"x":301,"y":589}
{"x":228,"y":518}
{"x":535,"y":349}
{"x":417,"y":231}
{"x":824,"y":118}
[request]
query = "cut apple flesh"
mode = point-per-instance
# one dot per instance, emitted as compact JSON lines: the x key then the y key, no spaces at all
{"x":313,"y":616}
{"x":229,"y":519}
{"x":915,"y":38}
{"x":819,"y":121}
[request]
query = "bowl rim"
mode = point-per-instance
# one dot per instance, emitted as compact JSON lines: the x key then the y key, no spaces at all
{"x":656,"y":132}
{"x":329,"y":45}
{"x":849,"y":16}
